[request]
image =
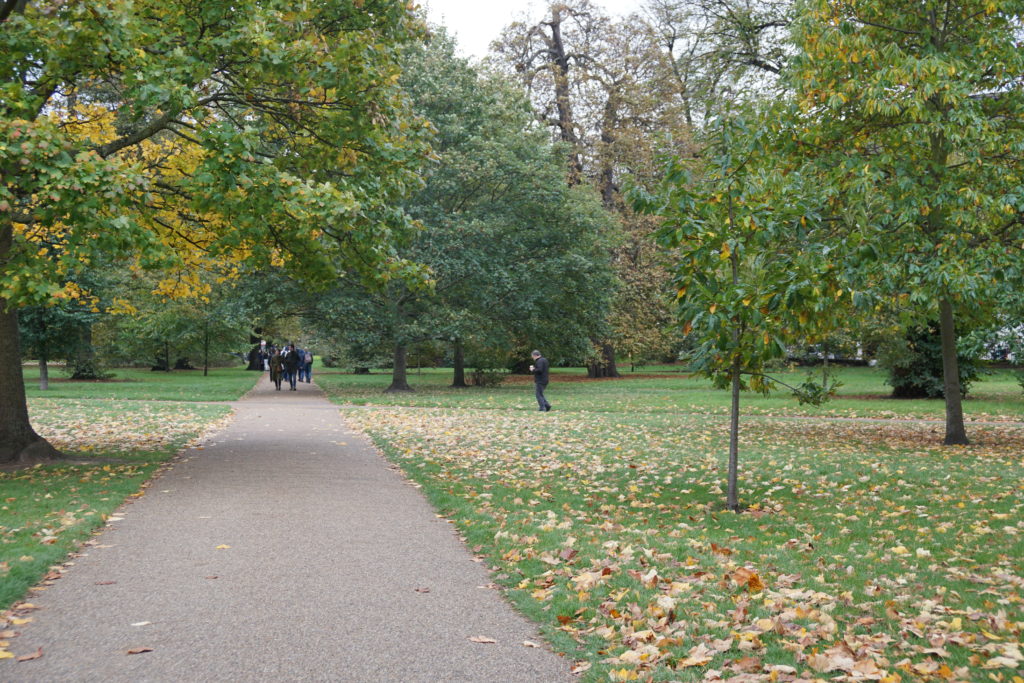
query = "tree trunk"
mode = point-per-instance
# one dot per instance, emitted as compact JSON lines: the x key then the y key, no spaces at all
{"x":609,"y":121}
{"x":605,"y":366}
{"x":733,"y":497}
{"x":956,"y":432}
{"x":459,"y":379}
{"x":563,"y":102}
{"x":44,"y":374}
{"x":399,"y":378}
{"x":206,"y":351}
{"x":84,"y":362}
{"x":19,"y":443}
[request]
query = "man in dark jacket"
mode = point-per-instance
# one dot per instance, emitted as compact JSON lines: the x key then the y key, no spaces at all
{"x":291,"y":365}
{"x":540,"y":379}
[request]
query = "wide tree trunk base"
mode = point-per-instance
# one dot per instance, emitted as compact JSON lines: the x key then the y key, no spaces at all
{"x":956,"y":440}
{"x":38,"y":451}
{"x":399,"y":388}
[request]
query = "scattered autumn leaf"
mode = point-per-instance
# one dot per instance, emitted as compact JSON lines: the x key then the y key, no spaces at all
{"x":35,"y":655}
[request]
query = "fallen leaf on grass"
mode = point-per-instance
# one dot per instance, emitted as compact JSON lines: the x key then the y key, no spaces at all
{"x":35,"y":655}
{"x":139,"y":650}
{"x":580,"y":667}
{"x":699,"y":655}
{"x":1000,"y":663}
{"x":482,"y":639}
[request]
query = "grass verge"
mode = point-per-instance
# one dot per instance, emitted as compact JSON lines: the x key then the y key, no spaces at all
{"x":222,"y":384}
{"x":48,"y":510}
{"x":996,"y":396}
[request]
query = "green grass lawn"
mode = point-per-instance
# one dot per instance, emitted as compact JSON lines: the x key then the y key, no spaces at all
{"x":114,"y":445}
{"x":867,"y":550}
{"x":222,"y":384}
{"x":863,"y":394}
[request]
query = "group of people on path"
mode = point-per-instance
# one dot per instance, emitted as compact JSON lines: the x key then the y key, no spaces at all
{"x":290,"y":364}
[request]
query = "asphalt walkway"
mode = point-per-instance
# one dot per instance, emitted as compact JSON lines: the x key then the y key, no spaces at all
{"x":285,"y":549}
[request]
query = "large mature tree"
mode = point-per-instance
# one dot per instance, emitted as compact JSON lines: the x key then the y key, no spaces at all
{"x":517,"y":256}
{"x":722,"y":51}
{"x":602,"y":86}
{"x":915,"y":114}
{"x":257,"y":129}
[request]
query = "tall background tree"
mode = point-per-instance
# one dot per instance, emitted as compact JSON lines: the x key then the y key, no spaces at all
{"x":517,"y":257}
{"x":600,"y":86}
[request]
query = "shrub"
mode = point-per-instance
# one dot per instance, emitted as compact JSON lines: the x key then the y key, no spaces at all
{"x":914,"y":363}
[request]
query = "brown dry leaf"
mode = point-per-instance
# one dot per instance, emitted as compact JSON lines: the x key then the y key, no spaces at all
{"x":139,"y":650}
{"x":580,"y":667}
{"x":699,"y":655}
{"x":35,"y":655}
{"x":747,"y":664}
{"x":481,"y":639}
{"x":821,"y":663}
{"x":1000,"y":663}
{"x":723,"y":645}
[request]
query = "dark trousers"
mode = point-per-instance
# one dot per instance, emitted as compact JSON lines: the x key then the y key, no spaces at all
{"x":541,"y":401}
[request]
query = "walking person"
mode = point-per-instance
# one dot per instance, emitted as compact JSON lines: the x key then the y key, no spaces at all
{"x":291,"y":365}
{"x":540,"y":379}
{"x":307,"y":365}
{"x":276,"y":369}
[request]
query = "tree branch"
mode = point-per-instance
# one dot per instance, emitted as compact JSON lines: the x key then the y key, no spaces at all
{"x":138,"y":136}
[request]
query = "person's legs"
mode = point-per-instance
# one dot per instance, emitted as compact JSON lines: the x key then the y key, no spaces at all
{"x":542,"y":402}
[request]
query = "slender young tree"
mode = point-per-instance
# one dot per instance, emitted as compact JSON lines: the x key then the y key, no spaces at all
{"x":751,"y":267}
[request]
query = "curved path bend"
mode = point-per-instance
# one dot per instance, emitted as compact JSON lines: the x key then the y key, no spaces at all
{"x":284,"y":549}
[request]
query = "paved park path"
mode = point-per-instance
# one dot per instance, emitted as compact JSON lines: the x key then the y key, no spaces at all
{"x":337,"y":570}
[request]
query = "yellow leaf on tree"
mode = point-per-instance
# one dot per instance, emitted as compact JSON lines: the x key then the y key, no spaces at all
{"x":726,"y":252}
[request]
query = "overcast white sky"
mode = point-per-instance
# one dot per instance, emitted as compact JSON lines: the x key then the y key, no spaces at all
{"x":475,"y":23}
